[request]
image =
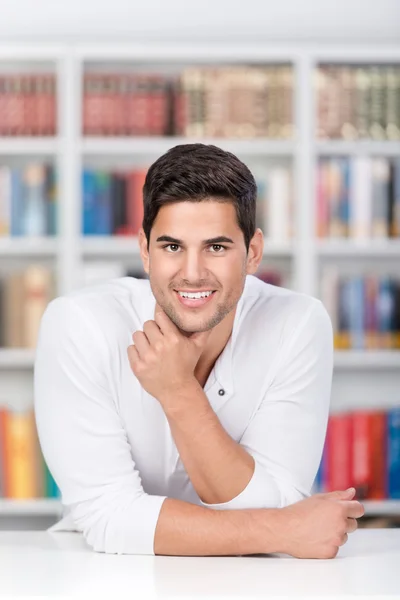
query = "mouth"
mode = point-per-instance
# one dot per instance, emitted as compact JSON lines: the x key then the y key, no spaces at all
{"x":195,"y":302}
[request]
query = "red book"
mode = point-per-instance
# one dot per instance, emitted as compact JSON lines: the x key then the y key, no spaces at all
{"x":3,"y":122}
{"x":136,"y":180}
{"x":29,"y":99}
{"x":362,"y":454}
{"x":378,"y":438}
{"x":158,"y":113}
{"x":339,"y":463}
{"x":93,"y":104}
{"x":138,"y":105}
{"x":51,"y":100}
{"x":119,"y":116}
{"x":15,"y":106}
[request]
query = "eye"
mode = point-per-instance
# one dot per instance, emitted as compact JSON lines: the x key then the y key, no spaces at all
{"x":170,"y":246}
{"x":218,"y":246}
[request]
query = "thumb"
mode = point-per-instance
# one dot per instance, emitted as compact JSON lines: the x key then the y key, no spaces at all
{"x":340,"y":494}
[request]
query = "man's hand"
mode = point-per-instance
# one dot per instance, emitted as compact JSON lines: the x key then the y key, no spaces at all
{"x":162,"y":358}
{"x":317,"y":526}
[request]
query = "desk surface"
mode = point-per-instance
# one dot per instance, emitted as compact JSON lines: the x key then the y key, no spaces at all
{"x":39,"y":562}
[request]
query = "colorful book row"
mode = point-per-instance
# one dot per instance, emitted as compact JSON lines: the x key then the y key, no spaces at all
{"x":358,"y":198}
{"x":218,"y":101}
{"x":24,"y":295}
{"x":362,"y":450}
{"x":24,"y":473}
{"x":28,"y":205}
{"x":365,"y":310}
{"x":28,"y":104}
{"x":358,"y":101}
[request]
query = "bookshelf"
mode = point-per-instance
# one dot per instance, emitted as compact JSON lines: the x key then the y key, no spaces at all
{"x":375,"y":376}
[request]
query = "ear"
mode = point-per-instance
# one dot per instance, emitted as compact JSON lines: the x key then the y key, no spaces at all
{"x":256,"y":250}
{"x":144,"y":253}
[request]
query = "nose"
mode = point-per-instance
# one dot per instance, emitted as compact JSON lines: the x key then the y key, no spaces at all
{"x":193,"y":267}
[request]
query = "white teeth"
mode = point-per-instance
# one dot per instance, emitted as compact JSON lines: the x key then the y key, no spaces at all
{"x":195,"y":295}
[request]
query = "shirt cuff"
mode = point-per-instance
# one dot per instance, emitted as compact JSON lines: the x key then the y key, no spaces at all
{"x":260,"y":492}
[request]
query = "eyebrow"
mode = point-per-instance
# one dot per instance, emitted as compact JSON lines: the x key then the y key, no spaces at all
{"x":216,"y":240}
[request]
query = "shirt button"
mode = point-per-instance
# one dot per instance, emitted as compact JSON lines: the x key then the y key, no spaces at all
{"x":221,"y":392}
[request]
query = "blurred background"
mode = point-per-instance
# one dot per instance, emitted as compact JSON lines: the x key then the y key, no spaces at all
{"x":307,"y":94}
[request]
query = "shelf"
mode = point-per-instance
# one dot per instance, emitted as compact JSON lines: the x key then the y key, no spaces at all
{"x":33,"y":507}
{"x":367,"y":359}
{"x":53,"y":507}
{"x":343,"y":147}
{"x":29,"y":145}
{"x":97,"y":245}
{"x":137,"y":146}
{"x":17,"y":358}
{"x":359,"y":248}
{"x":381,"y":507}
{"x":28,"y":246}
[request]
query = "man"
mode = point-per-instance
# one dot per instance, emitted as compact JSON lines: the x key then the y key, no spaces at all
{"x":186,"y":414}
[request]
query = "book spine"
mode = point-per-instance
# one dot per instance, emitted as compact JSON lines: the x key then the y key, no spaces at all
{"x":378,"y":438}
{"x":339,"y":451}
{"x":361,"y":453}
{"x":20,"y":452}
{"x":89,"y":202}
{"x":393,"y":450}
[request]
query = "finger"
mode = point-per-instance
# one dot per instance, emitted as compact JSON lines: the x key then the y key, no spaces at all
{"x":141,"y":342}
{"x":352,"y":525}
{"x":164,"y":322}
{"x":133,"y":355}
{"x":354,"y":508}
{"x":152,"y":331}
{"x":339,"y":494}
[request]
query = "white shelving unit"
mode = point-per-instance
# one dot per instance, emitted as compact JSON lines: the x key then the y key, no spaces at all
{"x":360,"y":378}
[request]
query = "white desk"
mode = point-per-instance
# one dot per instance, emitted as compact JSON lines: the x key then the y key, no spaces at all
{"x":40,"y":563}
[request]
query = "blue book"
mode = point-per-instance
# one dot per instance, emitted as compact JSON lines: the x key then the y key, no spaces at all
{"x":385,"y":311}
{"x":103,"y":219}
{"x":88,"y":202}
{"x":51,"y":200}
{"x":17,"y":203}
{"x":393,"y":453}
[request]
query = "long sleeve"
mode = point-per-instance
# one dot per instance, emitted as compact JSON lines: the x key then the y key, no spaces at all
{"x":287,"y":432}
{"x":82,"y":437}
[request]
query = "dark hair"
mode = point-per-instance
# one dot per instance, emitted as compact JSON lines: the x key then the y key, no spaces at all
{"x":196,"y":172}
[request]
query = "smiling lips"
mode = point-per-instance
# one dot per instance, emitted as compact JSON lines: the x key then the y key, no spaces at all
{"x":195,"y":298}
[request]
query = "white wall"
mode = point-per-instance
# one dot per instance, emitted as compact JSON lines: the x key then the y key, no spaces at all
{"x":285,"y":20}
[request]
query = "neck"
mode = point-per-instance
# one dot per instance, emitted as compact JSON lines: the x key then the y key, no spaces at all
{"x":217,"y":341}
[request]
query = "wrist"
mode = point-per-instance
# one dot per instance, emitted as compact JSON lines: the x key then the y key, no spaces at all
{"x":272,"y":530}
{"x":177,"y":397}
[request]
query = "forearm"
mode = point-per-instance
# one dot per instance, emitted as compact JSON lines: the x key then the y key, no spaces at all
{"x":218,"y":467}
{"x":186,"y":529}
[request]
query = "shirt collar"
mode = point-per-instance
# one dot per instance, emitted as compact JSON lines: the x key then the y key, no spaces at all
{"x":223,"y":367}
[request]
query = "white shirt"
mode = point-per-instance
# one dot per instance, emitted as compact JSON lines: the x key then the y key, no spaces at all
{"x":107,"y":442}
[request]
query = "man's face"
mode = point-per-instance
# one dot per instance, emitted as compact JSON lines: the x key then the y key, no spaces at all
{"x":186,"y":261}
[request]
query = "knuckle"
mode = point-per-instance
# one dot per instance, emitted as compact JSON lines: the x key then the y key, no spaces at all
{"x":158,"y":347}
